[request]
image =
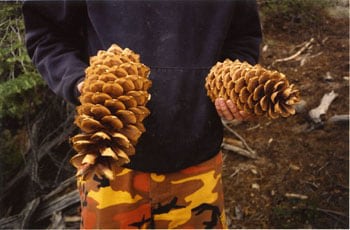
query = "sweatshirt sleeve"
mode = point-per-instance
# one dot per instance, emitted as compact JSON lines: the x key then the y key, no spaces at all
{"x":244,"y":37}
{"x":55,"y":42}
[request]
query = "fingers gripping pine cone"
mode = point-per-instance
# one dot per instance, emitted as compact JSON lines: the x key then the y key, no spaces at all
{"x":252,"y":88}
{"x":113,"y":106}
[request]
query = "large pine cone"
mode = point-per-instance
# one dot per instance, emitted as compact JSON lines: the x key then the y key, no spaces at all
{"x":113,"y":106}
{"x":252,"y":88}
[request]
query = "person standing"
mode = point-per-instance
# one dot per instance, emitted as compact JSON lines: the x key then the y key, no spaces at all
{"x":174,"y":179}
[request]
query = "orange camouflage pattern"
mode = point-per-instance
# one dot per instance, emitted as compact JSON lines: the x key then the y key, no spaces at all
{"x":189,"y":199}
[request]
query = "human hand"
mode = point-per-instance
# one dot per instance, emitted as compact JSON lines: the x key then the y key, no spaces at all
{"x":80,"y":86}
{"x":229,"y":111}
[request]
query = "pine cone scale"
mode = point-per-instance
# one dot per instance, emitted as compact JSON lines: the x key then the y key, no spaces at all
{"x":113,"y":106}
{"x":252,"y":88}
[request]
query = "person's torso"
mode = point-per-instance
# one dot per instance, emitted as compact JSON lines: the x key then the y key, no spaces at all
{"x":179,"y":41}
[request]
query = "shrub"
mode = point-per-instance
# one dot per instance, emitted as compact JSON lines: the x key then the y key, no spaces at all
{"x":19,"y":81}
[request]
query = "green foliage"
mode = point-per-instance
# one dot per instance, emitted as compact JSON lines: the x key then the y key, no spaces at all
{"x":19,"y":95}
{"x":19,"y":81}
{"x":20,"y":89}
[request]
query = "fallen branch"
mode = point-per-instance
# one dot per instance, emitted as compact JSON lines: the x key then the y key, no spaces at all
{"x":232,"y":141}
{"x":43,"y":207}
{"x":61,"y":187}
{"x":316,"y":113}
{"x":72,"y":219}
{"x":339,"y":119}
{"x":48,"y":200}
{"x":11,"y":222}
{"x":57,"y":221}
{"x":306,"y":57}
{"x":239,"y":150}
{"x":21,"y":220}
{"x":300,"y":51}
{"x":43,"y":150}
{"x":48,"y":208}
{"x":249,"y":152}
{"x":28,"y":212}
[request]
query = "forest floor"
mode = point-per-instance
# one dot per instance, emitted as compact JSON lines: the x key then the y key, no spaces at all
{"x":301,"y":176}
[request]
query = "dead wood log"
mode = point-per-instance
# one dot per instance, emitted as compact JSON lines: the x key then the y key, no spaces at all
{"x":42,"y":151}
{"x":37,"y":211}
{"x":11,"y":222}
{"x":28,"y":212}
{"x":57,"y":221}
{"x":43,"y":207}
{"x":53,"y":202}
{"x":316,"y":113}
{"x":61,"y":187}
{"x":48,"y":208}
{"x":21,"y":220}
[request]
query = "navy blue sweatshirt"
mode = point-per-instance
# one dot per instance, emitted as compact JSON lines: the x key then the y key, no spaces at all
{"x":178,"y":40}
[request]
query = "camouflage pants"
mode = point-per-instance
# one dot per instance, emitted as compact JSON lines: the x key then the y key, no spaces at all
{"x":190,"y":198}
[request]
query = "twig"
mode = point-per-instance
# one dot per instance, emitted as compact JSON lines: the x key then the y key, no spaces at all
{"x":338,"y":119}
{"x":234,"y":173}
{"x":42,"y":151}
{"x":47,"y":208}
{"x":36,"y":210}
{"x":295,"y":195}
{"x":21,"y":220}
{"x":63,"y":165}
{"x":254,"y":127}
{"x":69,"y":219}
{"x":252,"y":152}
{"x":311,"y":184}
{"x":306,"y":57}
{"x":58,"y":136}
{"x":232,"y":141}
{"x":64,"y":125}
{"x":57,"y":221}
{"x":239,"y":150}
{"x":61,"y":187}
{"x":28,"y":212}
{"x":306,"y":46}
{"x":322,"y":167}
{"x":33,"y":134}
{"x":333,"y":212}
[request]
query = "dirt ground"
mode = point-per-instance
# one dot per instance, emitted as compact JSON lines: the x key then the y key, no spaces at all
{"x":301,"y":177}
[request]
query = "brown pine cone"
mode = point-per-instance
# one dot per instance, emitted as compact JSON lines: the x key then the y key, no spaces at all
{"x":253,"y":89}
{"x":113,"y":105}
